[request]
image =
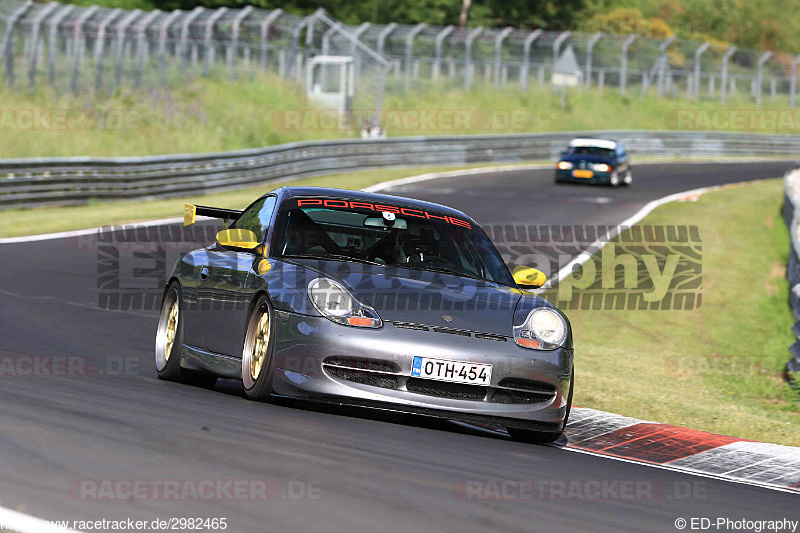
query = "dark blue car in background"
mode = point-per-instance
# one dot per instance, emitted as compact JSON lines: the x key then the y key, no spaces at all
{"x":596,"y":161}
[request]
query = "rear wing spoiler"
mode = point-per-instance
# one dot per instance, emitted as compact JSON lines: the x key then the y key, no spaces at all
{"x":191,"y":211}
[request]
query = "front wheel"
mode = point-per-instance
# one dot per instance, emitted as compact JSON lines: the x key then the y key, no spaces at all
{"x":257,"y":352}
{"x":614,"y":180}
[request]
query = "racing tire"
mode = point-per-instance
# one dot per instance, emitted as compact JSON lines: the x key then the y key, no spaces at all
{"x":614,"y":180}
{"x":544,"y":437}
{"x":628,"y":179}
{"x":258,"y":351}
{"x":169,"y":335}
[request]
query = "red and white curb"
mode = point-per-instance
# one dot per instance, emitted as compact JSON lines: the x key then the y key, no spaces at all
{"x":688,"y":450}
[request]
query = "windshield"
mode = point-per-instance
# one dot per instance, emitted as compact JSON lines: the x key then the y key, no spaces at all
{"x":387,"y":235}
{"x":591,"y":150}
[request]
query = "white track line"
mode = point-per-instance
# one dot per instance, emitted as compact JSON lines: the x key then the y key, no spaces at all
{"x":16,"y":521}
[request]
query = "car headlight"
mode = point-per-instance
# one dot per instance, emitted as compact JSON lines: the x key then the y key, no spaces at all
{"x":564,"y":165}
{"x":543,"y":329}
{"x":336,"y":303}
{"x":600,"y":167}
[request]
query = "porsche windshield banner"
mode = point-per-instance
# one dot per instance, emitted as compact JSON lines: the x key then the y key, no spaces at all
{"x":380,"y":208}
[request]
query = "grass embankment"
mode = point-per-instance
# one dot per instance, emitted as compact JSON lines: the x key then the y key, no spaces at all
{"x":718,"y":367}
{"x":207,"y":115}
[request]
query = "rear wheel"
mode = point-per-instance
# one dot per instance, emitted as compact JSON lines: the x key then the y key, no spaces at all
{"x":628,"y":179}
{"x":169,"y":343}
{"x":257,"y":352}
{"x":544,"y":437}
{"x":169,"y":336}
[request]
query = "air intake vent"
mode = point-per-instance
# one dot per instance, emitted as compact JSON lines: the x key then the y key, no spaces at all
{"x":406,"y":325}
{"x":443,"y":389}
{"x":453,"y":332}
{"x":490,"y":337}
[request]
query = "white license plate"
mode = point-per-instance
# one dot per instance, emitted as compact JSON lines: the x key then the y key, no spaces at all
{"x":453,"y":371}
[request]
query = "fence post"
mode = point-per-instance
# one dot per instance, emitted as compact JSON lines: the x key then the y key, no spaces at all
{"x":793,"y":82}
{"x":8,"y":40}
{"x":37,"y":24}
{"x":437,"y":61}
{"x":662,"y":63}
{"x":383,"y":35}
{"x":100,"y":43}
{"x":724,"y":81}
{"x":526,"y":58}
{"x":697,"y":55}
{"x":589,"y":53}
{"x":77,"y":52}
{"x":409,"y":48}
{"x":163,"y":33}
{"x":563,"y":36}
{"x":208,"y":34}
{"x":468,"y":67}
{"x":498,"y":54}
{"x":141,"y":34}
{"x":233,"y":48}
{"x":265,"y":25}
{"x":122,"y":30}
{"x":760,"y":75}
{"x":623,"y":79}
{"x":52,"y":44}
{"x":187,"y":22}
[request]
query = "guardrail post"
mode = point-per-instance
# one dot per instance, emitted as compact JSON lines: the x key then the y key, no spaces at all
{"x":663,"y":63}
{"x":793,"y":82}
{"x":498,"y":54}
{"x":265,"y":25}
{"x":697,"y":55}
{"x":8,"y":40}
{"x":760,"y":75}
{"x":141,"y":34}
{"x":77,"y":39}
{"x":724,"y":75}
{"x":52,"y":42}
{"x":526,"y":58}
{"x":100,"y":43}
{"x":207,"y":37}
{"x":468,"y":67}
{"x":122,"y":30}
{"x":437,"y":61}
{"x":233,"y":48}
{"x":409,"y":48}
{"x":37,"y":24}
{"x":184,"y":39}
{"x":589,"y":54}
{"x":623,"y":76}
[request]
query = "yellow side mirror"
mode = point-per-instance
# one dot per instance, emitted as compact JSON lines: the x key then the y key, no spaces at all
{"x":189,"y":214}
{"x":242,"y":240}
{"x":529,"y":277}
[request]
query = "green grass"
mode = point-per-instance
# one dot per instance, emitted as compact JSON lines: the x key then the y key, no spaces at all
{"x":208,"y":115}
{"x":718,"y":367}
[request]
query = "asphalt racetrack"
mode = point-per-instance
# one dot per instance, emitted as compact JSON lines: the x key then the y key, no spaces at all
{"x":325,"y":468}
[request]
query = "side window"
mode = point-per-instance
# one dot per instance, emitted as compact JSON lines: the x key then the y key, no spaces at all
{"x":256,"y":217}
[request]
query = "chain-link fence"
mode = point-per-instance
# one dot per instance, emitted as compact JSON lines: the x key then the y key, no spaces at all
{"x":93,"y":49}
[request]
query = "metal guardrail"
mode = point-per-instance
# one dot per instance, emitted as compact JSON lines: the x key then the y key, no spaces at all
{"x":791,"y":215}
{"x":76,"y":180}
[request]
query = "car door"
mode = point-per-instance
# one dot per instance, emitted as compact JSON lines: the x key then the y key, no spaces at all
{"x":223,"y":293}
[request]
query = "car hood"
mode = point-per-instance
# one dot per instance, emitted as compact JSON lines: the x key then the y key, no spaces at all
{"x":420,"y":297}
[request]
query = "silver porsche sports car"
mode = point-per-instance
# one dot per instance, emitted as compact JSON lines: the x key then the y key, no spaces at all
{"x":372,"y":300}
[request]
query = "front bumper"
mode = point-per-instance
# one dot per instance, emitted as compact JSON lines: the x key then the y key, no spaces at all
{"x":316,"y":359}
{"x":597,"y":178}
